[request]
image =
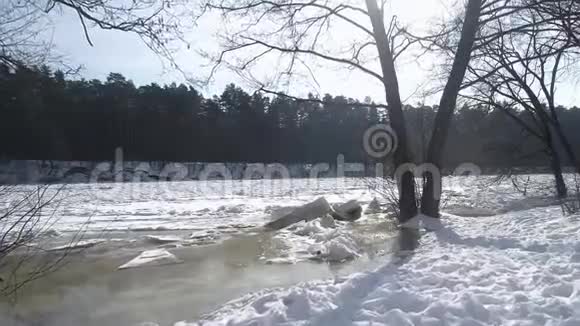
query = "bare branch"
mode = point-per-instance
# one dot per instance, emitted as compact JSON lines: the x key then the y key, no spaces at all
{"x":319,"y":101}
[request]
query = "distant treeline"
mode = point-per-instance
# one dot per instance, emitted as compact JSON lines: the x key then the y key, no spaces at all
{"x":45,"y":116}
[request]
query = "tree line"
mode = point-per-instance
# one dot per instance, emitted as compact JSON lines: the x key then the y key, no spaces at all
{"x":46,"y":116}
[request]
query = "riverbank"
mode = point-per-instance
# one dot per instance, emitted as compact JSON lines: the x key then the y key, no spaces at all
{"x":517,"y":268}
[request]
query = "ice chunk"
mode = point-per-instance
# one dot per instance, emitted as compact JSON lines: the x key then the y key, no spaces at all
{"x":51,"y":233}
{"x":206,"y":234}
{"x":327,"y":221}
{"x":278,"y":211}
{"x":160,"y":239}
{"x":282,"y":261}
{"x":83,"y":244}
{"x":155,"y":257}
{"x":374,"y":207}
{"x":349,"y":211}
{"x":235,"y":209}
{"x":338,"y":249}
{"x":308,"y":212}
{"x":310,"y":228}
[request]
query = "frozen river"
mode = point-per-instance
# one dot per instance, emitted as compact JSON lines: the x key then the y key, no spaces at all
{"x":229,"y":205}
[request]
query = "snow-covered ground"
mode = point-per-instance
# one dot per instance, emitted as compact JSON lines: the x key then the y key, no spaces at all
{"x":517,"y":268}
{"x":502,"y":257}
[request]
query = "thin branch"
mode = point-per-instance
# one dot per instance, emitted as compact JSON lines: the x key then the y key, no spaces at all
{"x":318,"y":101}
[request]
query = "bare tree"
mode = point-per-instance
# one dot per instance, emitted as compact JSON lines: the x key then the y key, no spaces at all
{"x":518,"y":72}
{"x":296,"y":34}
{"x":430,"y":201}
{"x":27,"y":218}
{"x":489,"y":30}
{"x":161,"y":24}
{"x":562,"y":14}
{"x":21,"y":25}
{"x":25,"y":26}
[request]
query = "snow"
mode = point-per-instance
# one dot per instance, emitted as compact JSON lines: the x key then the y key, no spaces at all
{"x":81,"y":244}
{"x":373,"y":207}
{"x":496,"y":257}
{"x":517,"y":268}
{"x":423,"y":222}
{"x":327,"y":221}
{"x":155,"y":257}
{"x":337,"y":249}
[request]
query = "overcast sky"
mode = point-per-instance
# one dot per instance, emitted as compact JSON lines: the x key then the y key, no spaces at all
{"x":127,"y":54}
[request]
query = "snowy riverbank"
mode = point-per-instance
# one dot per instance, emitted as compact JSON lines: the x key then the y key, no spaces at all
{"x":519,"y":268}
{"x":501,"y":258}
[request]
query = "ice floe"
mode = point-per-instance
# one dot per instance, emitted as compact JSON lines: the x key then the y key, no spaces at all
{"x":306,"y":212}
{"x":154,"y":257}
{"x":82,"y":244}
{"x":337,"y":249}
{"x":162,"y":239}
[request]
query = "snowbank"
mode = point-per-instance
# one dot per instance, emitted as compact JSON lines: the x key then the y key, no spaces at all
{"x":520,"y":268}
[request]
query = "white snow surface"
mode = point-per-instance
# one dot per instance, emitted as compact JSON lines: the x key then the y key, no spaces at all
{"x":81,"y":244}
{"x":154,"y":257}
{"x":517,"y":268}
{"x":422,"y":221}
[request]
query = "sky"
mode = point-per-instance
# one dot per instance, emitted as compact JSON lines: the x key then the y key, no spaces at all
{"x":126,"y":53}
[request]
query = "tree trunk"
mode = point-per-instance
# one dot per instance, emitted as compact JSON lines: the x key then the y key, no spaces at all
{"x":407,"y":201}
{"x":430,"y":200}
{"x":555,"y":162}
{"x":561,"y":190}
{"x":565,"y":143}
